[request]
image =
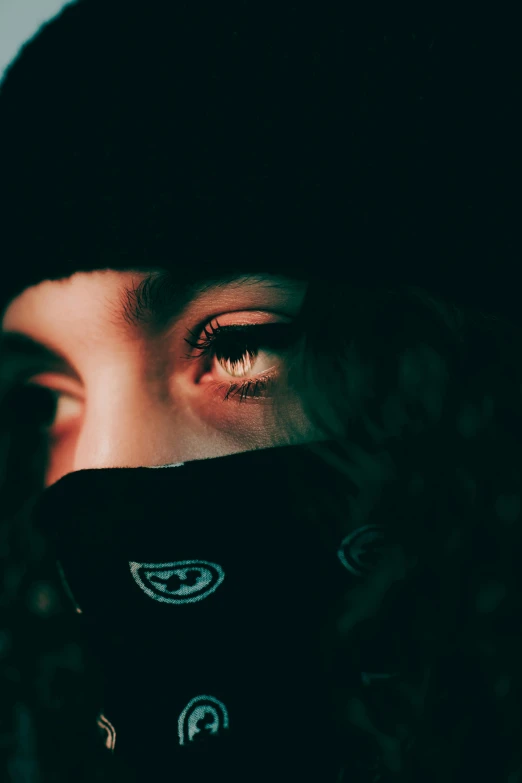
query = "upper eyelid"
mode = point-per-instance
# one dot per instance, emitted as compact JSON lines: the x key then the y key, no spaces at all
{"x":209,"y":330}
{"x":209,"y":318}
{"x":203,"y":341}
{"x":59,"y":388}
{"x":209,"y":333}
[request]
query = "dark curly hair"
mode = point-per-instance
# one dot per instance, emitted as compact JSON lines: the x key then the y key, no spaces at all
{"x":421,"y":397}
{"x":424,"y":401}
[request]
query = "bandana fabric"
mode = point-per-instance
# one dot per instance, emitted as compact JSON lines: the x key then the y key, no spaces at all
{"x":204,"y":593}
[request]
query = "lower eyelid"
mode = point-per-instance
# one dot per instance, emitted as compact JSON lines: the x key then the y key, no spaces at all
{"x":225,"y":391}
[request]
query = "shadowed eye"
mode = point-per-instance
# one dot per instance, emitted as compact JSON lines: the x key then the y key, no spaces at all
{"x":45,"y":408}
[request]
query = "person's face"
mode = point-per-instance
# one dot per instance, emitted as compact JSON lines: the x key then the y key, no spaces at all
{"x":129,"y":395}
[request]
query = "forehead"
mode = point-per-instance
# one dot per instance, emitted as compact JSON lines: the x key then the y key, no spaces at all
{"x":138,"y":300}
{"x":82,"y":295}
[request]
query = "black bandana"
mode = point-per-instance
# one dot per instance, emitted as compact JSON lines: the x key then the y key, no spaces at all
{"x":204,"y":590}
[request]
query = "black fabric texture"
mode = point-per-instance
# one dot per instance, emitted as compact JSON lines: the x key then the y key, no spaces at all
{"x":206,"y":618}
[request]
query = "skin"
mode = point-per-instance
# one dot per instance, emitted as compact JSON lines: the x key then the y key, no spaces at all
{"x":127,"y":398}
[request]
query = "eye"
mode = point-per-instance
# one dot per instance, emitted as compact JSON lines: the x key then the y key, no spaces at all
{"x":242,"y":358}
{"x":41,"y":407}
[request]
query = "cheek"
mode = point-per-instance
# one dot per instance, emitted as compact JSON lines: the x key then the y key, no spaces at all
{"x":254,"y":422}
{"x":60,"y":458}
{"x":200,"y":426}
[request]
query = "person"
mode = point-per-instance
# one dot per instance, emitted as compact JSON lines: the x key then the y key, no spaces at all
{"x":165,"y":304}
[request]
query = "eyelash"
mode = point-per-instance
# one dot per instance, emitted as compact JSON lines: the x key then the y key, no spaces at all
{"x":208,"y":344}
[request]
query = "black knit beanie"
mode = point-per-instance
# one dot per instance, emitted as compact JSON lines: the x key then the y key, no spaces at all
{"x":206,"y":138}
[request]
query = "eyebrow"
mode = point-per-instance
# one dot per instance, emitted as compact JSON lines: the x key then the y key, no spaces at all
{"x":148,"y":307}
{"x":152,"y":304}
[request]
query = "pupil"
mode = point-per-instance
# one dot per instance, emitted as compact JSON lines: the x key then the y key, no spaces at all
{"x":237,"y":358}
